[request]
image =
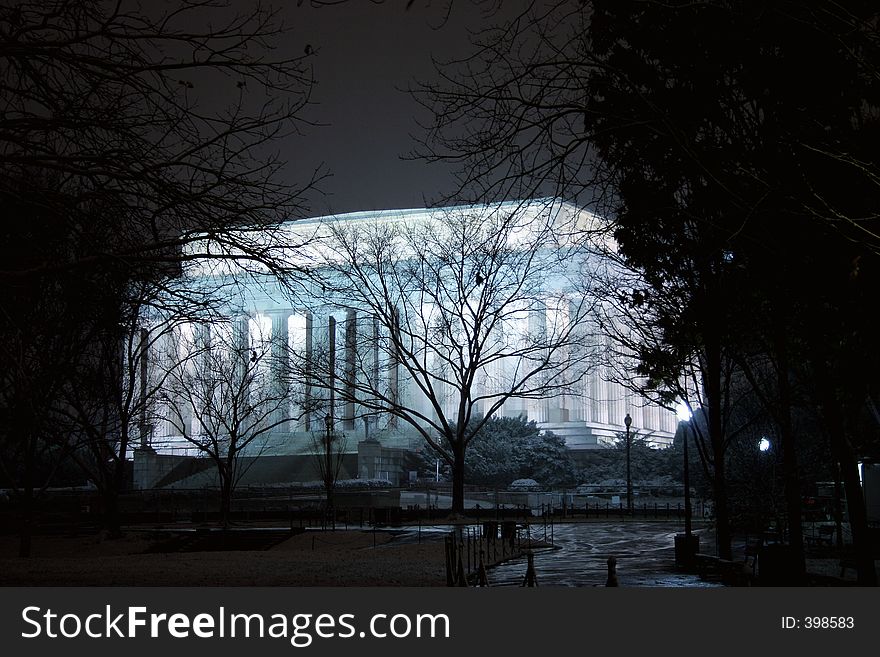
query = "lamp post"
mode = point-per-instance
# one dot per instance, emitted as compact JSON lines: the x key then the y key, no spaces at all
{"x":690,"y":545}
{"x":328,"y":461}
{"x":687,"y":486}
{"x":629,"y":484}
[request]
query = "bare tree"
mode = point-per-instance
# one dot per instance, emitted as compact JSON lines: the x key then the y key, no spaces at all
{"x":511,"y":116}
{"x":225,"y":399}
{"x":119,"y":103}
{"x":128,"y":135}
{"x":30,"y":448}
{"x":328,"y":449}
{"x":47,"y":325}
{"x":107,"y":409}
{"x":452,"y":317}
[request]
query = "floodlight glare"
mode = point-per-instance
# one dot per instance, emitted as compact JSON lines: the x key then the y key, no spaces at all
{"x":683,"y":411}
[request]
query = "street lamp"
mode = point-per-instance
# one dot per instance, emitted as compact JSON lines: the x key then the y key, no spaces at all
{"x":684,"y":415}
{"x":691,"y":545}
{"x":328,"y":462}
{"x":328,"y":424}
{"x":629,"y":484}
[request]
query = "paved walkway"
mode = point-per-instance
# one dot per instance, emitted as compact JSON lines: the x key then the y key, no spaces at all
{"x":645,"y":553}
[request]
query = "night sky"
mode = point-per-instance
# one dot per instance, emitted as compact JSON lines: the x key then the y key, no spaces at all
{"x":366,"y":56}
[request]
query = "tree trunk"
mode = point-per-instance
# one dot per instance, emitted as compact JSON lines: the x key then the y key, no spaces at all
{"x":849,"y":474}
{"x":793,"y":502}
{"x":112,"y":517}
{"x":722,"y":517}
{"x":712,"y":383}
{"x":329,"y":486}
{"x":26,"y":528}
{"x":328,"y":492}
{"x":112,"y":521}
{"x":835,"y":419}
{"x":858,"y":521}
{"x":329,"y":475}
{"x":458,"y":477}
{"x":838,"y":501}
{"x":225,"y":499}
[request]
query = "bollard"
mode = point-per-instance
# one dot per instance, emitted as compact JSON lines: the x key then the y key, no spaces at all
{"x":531,"y":579}
{"x":612,"y":572}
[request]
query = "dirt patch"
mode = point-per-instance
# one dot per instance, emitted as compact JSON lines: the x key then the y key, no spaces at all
{"x":341,"y":558}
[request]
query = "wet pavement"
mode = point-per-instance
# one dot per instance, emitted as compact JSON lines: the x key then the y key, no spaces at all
{"x":645,"y":553}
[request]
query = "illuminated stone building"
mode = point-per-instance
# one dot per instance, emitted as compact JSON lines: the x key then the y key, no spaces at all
{"x":299,"y":322}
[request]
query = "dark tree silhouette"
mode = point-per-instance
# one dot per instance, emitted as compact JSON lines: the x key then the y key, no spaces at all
{"x":731,"y":145}
{"x":104,"y":408}
{"x":133,"y":140}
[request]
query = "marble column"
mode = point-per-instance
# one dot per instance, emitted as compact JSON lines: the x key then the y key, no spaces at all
{"x":393,"y":365}
{"x":308,"y":392}
{"x":203,"y":341}
{"x":181,"y":410}
{"x":241,"y":343}
{"x":144,"y":355}
{"x":331,"y":366}
{"x":375,"y":346}
{"x":281,"y":367}
{"x":348,"y":410}
{"x":538,"y":335}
